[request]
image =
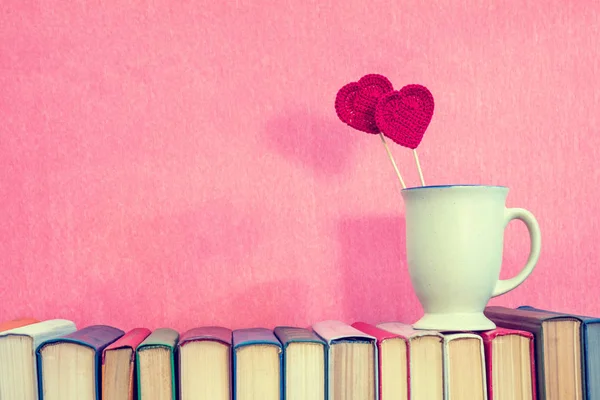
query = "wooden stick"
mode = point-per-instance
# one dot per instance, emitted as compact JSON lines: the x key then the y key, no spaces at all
{"x":419,"y":167}
{"x":392,"y":160}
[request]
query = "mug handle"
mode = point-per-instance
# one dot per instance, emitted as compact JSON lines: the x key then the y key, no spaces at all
{"x":506,"y":285}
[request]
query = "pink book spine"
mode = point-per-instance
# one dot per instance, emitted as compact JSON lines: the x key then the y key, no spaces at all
{"x":381,"y":335}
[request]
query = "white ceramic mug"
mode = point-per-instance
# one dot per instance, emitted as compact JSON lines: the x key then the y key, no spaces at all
{"x":454,"y":245}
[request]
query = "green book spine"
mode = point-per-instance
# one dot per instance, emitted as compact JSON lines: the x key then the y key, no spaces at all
{"x":164,"y":338}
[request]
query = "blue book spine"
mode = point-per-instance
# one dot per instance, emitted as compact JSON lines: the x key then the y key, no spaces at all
{"x":289,"y":334}
{"x":254,"y":336}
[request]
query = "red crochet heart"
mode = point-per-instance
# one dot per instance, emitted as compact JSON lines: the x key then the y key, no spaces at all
{"x":355,"y":102}
{"x":404,"y":115}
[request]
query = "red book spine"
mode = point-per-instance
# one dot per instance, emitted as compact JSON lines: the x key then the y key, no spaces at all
{"x":488,"y":337}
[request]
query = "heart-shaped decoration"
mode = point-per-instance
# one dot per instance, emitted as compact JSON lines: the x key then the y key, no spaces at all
{"x":355,"y":102}
{"x":404,"y":115}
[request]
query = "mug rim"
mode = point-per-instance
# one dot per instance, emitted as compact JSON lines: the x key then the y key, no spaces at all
{"x":453,"y":186}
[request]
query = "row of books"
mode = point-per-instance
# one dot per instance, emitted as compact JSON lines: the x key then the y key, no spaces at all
{"x":532,"y":354}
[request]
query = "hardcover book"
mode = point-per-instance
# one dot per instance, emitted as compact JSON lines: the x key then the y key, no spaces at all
{"x":304,"y":355}
{"x":155,"y":363}
{"x":590,"y":350}
{"x":352,"y":362}
{"x":393,"y":362}
{"x":204,"y":359}
{"x":118,"y":366}
{"x":557,"y":341}
{"x":18,"y":364}
{"x":464,"y":366}
{"x":510,"y":364}
{"x":257,"y":365}
{"x":70,"y":366}
{"x":425,"y":359}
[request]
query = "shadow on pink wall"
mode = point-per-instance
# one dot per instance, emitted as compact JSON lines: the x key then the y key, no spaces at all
{"x":177,"y":269}
{"x":308,"y":139}
{"x":377,"y":286}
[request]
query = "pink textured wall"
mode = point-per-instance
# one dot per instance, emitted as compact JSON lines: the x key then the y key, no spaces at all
{"x":179,"y":164}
